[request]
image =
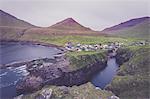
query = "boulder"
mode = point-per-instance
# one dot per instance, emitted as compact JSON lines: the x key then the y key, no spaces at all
{"x":29,"y":84}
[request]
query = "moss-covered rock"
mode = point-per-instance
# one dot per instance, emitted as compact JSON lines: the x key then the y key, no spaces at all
{"x":83,"y":59}
{"x":85,"y":91}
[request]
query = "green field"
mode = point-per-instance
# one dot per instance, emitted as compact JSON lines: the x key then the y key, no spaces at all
{"x":61,"y":40}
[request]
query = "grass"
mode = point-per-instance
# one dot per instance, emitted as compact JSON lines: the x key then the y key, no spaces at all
{"x":81,"y":59}
{"x":61,"y":40}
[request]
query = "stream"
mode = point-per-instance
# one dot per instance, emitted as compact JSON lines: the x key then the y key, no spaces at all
{"x":104,"y":77}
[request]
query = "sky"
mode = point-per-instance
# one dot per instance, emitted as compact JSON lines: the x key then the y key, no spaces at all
{"x":95,"y":14}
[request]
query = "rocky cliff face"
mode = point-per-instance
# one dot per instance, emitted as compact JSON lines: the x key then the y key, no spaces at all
{"x":123,"y":55}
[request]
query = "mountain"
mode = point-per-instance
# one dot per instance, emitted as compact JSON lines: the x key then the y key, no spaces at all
{"x":69,"y":24}
{"x":16,"y":29}
{"x":66,"y":27}
{"x":12,"y":27}
{"x":9,"y":20}
{"x":138,"y":28}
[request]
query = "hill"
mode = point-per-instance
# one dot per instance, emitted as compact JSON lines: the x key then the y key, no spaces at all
{"x":12,"y":27}
{"x":138,"y":28}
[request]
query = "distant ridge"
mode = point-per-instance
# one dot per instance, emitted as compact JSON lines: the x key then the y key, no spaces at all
{"x":127,"y":24}
{"x":138,"y":27}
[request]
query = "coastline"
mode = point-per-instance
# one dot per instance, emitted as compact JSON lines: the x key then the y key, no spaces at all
{"x":35,"y":43}
{"x":16,"y":64}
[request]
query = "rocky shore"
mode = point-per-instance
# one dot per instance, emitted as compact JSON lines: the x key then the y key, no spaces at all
{"x":17,"y":64}
{"x":20,"y":63}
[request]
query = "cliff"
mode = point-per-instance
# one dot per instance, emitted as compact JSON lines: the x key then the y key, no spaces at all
{"x":69,"y":70}
{"x":132,"y":80}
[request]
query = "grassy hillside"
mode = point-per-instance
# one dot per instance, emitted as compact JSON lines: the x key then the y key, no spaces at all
{"x":12,"y":27}
{"x":11,"y":21}
{"x":63,"y":30}
{"x":138,"y":30}
{"x":132,"y":80}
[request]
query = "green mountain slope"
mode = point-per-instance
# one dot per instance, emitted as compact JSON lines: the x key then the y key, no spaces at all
{"x":139,"y":30}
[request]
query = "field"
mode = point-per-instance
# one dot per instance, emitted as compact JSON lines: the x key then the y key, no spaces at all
{"x":61,"y":40}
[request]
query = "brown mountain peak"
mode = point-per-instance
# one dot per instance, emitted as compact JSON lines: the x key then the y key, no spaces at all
{"x":67,"y":22}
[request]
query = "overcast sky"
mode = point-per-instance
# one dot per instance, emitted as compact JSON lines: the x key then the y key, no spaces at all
{"x":96,"y":14}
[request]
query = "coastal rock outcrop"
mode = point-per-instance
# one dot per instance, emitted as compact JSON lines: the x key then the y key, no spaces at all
{"x":60,"y":73}
{"x":123,"y":55}
{"x":85,"y":91}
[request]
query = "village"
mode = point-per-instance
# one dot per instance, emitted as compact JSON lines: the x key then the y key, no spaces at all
{"x":107,"y":46}
{"x":92,"y":47}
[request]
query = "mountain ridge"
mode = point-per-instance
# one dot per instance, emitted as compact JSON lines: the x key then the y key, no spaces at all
{"x":13,"y":28}
{"x":134,"y":28}
{"x":126,"y":24}
{"x":7,"y":19}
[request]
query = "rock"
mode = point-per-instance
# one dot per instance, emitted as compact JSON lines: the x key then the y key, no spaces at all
{"x":19,"y":97}
{"x":64,"y":89}
{"x":45,"y":94}
{"x":29,"y":84}
{"x":113,"y":97}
